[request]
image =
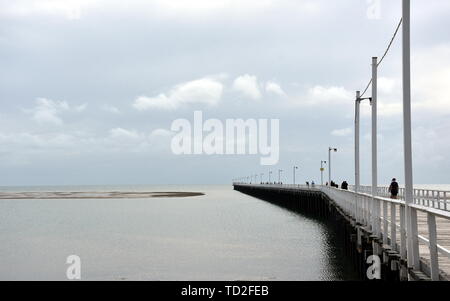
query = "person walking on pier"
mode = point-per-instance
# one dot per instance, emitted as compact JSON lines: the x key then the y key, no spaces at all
{"x":393,"y":189}
{"x":344,"y":185}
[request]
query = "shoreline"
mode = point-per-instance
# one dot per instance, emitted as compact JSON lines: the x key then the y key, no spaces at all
{"x":54,"y":195}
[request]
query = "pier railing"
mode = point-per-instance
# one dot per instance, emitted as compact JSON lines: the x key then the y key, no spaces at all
{"x":437,"y":199}
{"x":386,"y":219}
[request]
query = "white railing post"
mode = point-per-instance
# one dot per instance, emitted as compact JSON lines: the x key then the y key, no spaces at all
{"x":446,"y":201}
{"x":403,"y":243}
{"x":393,"y":227}
{"x":385,"y":223}
{"x":434,"y":257}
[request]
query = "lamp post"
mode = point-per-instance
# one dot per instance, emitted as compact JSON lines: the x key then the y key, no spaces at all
{"x":330,"y":149}
{"x":411,"y":214}
{"x":270,"y":174}
{"x":322,"y":170}
{"x":279,"y":175}
{"x":295,"y":168}
{"x":261,"y":177}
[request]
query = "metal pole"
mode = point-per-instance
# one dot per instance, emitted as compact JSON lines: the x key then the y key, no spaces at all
{"x":411,"y":215}
{"x":321,"y":171}
{"x":376,"y":205}
{"x":294,"y":175}
{"x":329,"y":166}
{"x":357,"y":155}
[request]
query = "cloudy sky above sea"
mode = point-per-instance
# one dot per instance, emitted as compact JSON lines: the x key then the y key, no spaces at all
{"x":89,"y":88}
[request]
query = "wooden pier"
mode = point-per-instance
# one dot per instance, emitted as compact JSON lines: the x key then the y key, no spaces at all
{"x":374,"y":226}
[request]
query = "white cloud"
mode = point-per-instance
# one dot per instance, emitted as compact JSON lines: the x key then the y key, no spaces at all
{"x":388,"y":85}
{"x":275,"y":88}
{"x":120,"y":133}
{"x":111,"y":109}
{"x":323,"y":96}
{"x":161,"y":133}
{"x":430,"y":82}
{"x":70,"y":9}
{"x":206,"y":91}
{"x":47,"y":111}
{"x":430,"y":74}
{"x":342,"y":132}
{"x":190,"y":9}
{"x":80,"y":108}
{"x":247,"y":85}
{"x":330,"y":94}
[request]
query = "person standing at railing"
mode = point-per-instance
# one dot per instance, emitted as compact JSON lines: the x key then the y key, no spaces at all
{"x":344,"y":185}
{"x":393,"y":189}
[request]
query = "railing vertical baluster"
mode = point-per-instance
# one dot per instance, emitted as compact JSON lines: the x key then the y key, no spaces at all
{"x":378,"y":217}
{"x":385,"y":223}
{"x":434,"y":257}
{"x":439,"y":199}
{"x":446,"y":201}
{"x":402,"y":232}
{"x":414,"y":238}
{"x":367,"y":212}
{"x":393,"y":227}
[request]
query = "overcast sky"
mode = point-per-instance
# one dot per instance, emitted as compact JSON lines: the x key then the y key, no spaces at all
{"x":89,"y":88}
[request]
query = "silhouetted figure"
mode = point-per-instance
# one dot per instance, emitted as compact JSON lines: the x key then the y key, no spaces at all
{"x":393,"y":189}
{"x":344,"y":185}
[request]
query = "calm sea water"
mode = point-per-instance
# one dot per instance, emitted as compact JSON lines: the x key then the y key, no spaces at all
{"x":224,"y":235}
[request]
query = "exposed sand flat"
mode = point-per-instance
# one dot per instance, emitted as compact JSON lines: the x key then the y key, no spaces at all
{"x":94,"y":195}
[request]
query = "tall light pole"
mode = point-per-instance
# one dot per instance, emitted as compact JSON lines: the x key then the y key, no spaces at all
{"x":376,"y":205}
{"x":295,"y":168}
{"x":411,"y":214}
{"x":261,"y":177}
{"x":322,"y":170}
{"x":279,"y":175}
{"x":357,"y":154}
{"x":270,"y":174}
{"x":330,"y":149}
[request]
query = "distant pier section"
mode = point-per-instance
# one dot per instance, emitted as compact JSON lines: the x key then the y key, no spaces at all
{"x":374,"y":229}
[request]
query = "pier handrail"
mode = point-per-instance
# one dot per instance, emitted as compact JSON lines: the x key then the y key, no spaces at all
{"x":384,"y":223}
{"x":438,"y":199}
{"x":388,"y":225}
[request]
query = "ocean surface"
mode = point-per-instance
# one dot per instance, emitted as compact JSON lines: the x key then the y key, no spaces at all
{"x":223,"y":235}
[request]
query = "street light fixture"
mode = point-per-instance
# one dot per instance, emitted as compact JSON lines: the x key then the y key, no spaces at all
{"x":279,"y":175}
{"x":322,"y":169}
{"x":295,"y":168}
{"x":330,"y":149}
